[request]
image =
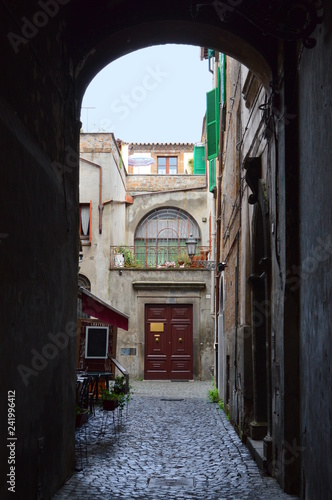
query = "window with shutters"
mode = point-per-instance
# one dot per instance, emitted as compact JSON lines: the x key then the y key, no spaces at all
{"x":212,"y":175}
{"x":85,"y":223}
{"x":212,"y":123}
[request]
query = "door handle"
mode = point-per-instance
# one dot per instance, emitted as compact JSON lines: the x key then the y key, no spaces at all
{"x":180,"y":340}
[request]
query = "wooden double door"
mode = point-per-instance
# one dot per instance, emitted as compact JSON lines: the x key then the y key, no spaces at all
{"x":168,"y":342}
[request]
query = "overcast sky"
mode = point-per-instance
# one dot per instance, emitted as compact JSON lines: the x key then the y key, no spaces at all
{"x":156,"y":94}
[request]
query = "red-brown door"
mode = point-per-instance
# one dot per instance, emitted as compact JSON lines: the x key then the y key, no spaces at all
{"x":168,"y":342}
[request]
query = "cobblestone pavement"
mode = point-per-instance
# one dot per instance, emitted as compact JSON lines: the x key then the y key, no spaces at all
{"x":171,"y":444}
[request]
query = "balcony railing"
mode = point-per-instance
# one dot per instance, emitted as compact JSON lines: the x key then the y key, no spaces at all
{"x":158,"y":257}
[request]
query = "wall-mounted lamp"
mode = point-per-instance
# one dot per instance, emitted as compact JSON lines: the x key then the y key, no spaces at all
{"x":221,"y":266}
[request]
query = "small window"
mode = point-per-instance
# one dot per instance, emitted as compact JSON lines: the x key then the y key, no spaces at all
{"x":162,"y":166}
{"x":167,"y":165}
{"x":173,"y":166}
{"x":85,"y":283}
{"x":85,"y":223}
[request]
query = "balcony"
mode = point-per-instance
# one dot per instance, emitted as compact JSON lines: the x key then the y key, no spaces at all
{"x":158,"y":257}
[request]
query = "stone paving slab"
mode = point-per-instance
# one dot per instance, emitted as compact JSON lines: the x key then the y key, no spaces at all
{"x":171,"y":444}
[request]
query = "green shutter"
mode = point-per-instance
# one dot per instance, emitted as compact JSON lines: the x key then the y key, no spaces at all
{"x":212,"y":123}
{"x":212,"y":175}
{"x":199,"y":160}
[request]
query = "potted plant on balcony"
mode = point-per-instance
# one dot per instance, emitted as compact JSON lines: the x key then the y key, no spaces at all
{"x":124,"y":257}
{"x":183,"y":259}
{"x":118,"y":259}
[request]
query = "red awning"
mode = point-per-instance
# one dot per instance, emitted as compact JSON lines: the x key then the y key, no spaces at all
{"x":97,"y":308}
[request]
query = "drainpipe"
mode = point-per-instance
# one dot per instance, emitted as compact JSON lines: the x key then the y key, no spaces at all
{"x":100,"y":206}
{"x":213,"y":252}
{"x":217,"y":276}
{"x":238,"y":147}
{"x":236,"y":308}
{"x":220,"y":275}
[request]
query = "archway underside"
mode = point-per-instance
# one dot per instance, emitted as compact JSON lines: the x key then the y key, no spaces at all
{"x":206,"y":35}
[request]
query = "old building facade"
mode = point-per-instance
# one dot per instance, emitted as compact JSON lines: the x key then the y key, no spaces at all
{"x":258,"y":383}
{"x":132,"y":245}
{"x":164,"y":158}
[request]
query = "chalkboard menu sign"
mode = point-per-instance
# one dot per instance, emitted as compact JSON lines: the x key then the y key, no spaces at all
{"x":96,"y":342}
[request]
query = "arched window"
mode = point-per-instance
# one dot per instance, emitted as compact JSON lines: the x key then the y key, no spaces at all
{"x":85,"y":283}
{"x":161,"y":236}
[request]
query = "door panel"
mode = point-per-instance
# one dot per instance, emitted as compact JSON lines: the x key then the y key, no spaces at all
{"x":168,"y":342}
{"x":181,"y":351}
{"x":180,"y":340}
{"x":180,"y":313}
{"x":157,"y":344}
{"x":157,"y":367}
{"x":180,"y":368}
{"x":158,"y":313}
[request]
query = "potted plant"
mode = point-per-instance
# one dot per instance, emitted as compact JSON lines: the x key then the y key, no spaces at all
{"x":119,"y":384}
{"x":125,"y":256}
{"x":110,"y":400}
{"x":81,"y":416}
{"x":183,"y":259}
{"x":122,"y":391}
{"x":118,"y":397}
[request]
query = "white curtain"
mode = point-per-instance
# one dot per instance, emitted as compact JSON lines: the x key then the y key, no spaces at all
{"x":85,"y":217}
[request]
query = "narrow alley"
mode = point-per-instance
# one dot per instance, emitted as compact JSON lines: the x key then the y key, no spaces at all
{"x":172,"y":444}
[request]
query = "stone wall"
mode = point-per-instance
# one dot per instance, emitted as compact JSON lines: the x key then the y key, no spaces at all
{"x":38,"y":257}
{"x":103,"y":182}
{"x":314,"y":273}
{"x":153,"y":183}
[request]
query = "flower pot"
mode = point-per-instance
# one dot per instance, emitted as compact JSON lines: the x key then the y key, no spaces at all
{"x":110,"y":404}
{"x":118,"y":260}
{"x":81,"y":418}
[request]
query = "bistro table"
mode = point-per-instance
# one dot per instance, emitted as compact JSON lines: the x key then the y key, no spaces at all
{"x":95,"y":377}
